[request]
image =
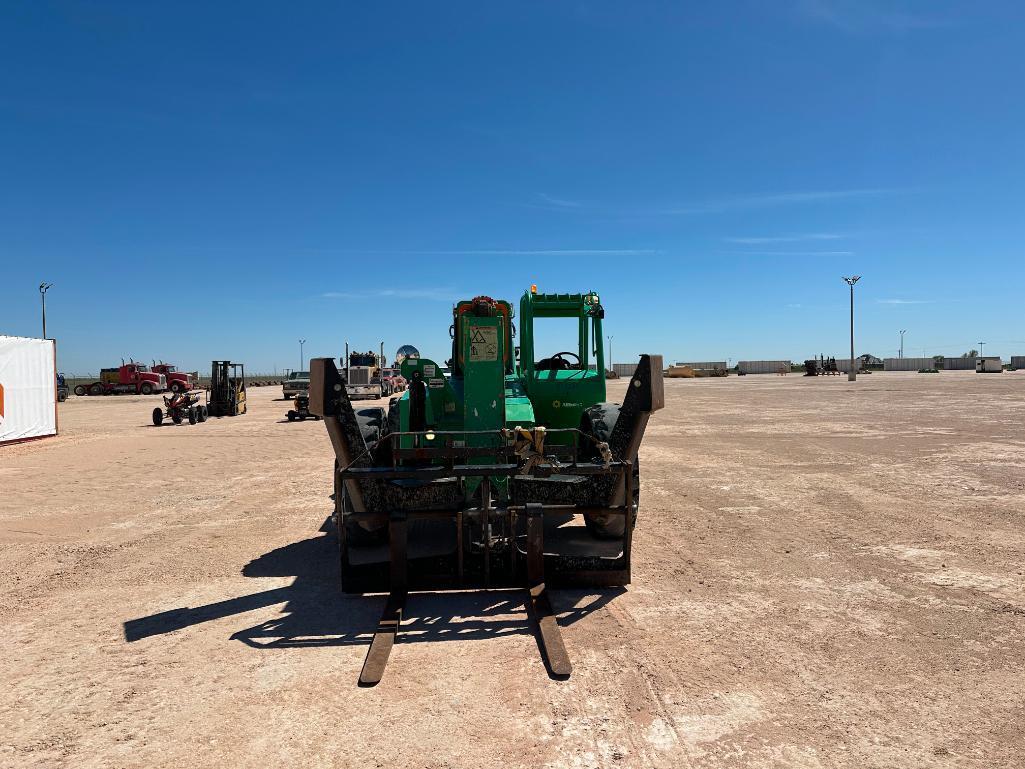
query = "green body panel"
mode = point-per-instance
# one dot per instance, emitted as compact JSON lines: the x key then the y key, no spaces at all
{"x":490,"y":388}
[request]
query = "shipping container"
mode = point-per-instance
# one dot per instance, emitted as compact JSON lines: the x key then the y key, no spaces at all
{"x":763,"y":366}
{"x":624,"y":369}
{"x":28,"y":388}
{"x":1017,"y":361}
{"x":907,"y":364}
{"x":989,"y":365}
{"x":704,"y":365}
{"x":959,"y":364}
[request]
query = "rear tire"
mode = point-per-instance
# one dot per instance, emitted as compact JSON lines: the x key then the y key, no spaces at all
{"x":193,"y":417}
{"x":158,"y":417}
{"x":96,"y":389}
{"x":200,"y":414}
{"x":291,"y":416}
{"x":176,"y":387}
{"x":176,"y":416}
{"x":599,"y":420}
{"x":80,"y":390}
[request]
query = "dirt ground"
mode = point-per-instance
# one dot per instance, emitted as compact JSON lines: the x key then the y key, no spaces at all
{"x":825,"y":575}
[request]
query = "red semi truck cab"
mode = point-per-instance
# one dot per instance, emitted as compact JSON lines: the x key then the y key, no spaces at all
{"x":128,"y":378}
{"x":177,"y":381}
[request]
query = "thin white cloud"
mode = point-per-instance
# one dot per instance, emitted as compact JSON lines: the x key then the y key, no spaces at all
{"x":559,"y":202}
{"x":543,"y":252}
{"x":501,"y":252}
{"x":717,"y":205}
{"x":812,"y":236}
{"x":905,"y":301}
{"x":790,"y":253}
{"x":433,"y":294}
{"x":867,"y":15}
{"x":748,"y":202}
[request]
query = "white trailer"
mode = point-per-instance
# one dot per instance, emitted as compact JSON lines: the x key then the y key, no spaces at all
{"x":28,"y":388}
{"x":989,"y":365}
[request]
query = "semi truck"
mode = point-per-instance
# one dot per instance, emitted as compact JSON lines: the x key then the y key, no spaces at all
{"x":131,"y":377}
{"x":363,"y":376}
{"x":177,"y":381}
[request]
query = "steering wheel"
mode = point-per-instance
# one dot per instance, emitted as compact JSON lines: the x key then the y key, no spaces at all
{"x":565,"y":364}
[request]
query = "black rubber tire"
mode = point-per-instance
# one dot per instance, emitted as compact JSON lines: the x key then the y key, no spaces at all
{"x":176,"y":417}
{"x":193,"y":416}
{"x":200,"y":413}
{"x":599,"y":420}
{"x":158,"y":417}
{"x":96,"y":389}
{"x":176,"y":387}
{"x":146,"y":388}
{"x":393,"y":415}
{"x":80,"y":390}
{"x":357,"y":533}
{"x":290,"y":416}
{"x":372,"y":424}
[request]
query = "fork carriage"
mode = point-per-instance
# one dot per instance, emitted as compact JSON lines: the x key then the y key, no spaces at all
{"x":436,"y":509}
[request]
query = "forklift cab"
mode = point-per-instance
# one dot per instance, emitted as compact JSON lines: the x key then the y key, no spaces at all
{"x":227,"y":394}
{"x":562,"y":384}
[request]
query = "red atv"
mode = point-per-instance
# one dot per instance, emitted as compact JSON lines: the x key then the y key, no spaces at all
{"x":179,"y":407}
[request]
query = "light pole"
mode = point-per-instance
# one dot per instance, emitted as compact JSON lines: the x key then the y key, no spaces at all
{"x":852,"y":375}
{"x":43,"y":287}
{"x":610,"y":367}
{"x":982,"y":345}
{"x":301,"y":343}
{"x":903,"y":331}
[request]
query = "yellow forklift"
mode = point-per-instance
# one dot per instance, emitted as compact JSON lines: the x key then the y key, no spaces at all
{"x":227,"y":394}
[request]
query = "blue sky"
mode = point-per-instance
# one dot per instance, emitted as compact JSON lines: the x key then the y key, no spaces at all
{"x":217,"y":180}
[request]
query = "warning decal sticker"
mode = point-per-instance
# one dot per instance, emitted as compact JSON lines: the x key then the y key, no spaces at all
{"x":484,"y":344}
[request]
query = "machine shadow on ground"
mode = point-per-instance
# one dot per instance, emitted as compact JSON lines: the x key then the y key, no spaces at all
{"x":317,"y":613}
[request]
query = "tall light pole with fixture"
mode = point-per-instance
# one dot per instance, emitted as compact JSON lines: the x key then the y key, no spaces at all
{"x":301,"y":359}
{"x":43,"y":287}
{"x":982,"y":346}
{"x":903,"y":331}
{"x":852,"y":375}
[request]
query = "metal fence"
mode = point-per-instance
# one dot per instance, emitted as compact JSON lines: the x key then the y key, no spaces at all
{"x":907,"y":364}
{"x":763,"y":366}
{"x":624,"y":369}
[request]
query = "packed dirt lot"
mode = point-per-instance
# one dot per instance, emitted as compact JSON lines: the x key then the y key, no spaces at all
{"x":825,"y":575}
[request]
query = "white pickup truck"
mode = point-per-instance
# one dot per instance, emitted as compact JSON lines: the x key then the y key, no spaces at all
{"x":297,"y":382}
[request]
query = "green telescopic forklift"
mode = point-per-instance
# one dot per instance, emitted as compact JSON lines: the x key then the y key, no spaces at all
{"x":504,"y":468}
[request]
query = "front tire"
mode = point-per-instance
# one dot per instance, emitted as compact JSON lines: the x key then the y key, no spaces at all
{"x":158,"y":417}
{"x":176,"y":387}
{"x":193,"y":417}
{"x":146,"y":388}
